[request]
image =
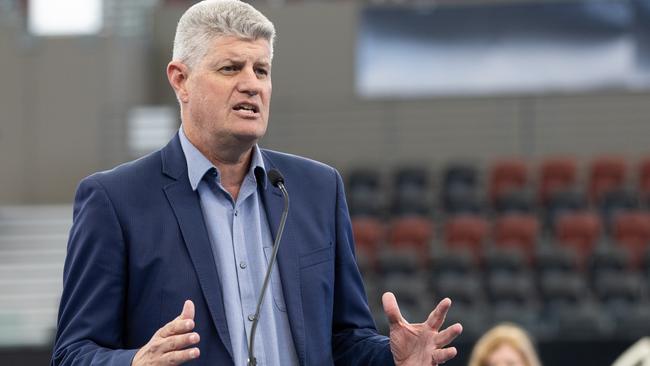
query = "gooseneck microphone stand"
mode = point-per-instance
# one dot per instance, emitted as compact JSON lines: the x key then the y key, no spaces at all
{"x":278,"y":181}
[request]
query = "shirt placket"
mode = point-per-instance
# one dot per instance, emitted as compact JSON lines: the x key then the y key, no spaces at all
{"x":245,"y":275}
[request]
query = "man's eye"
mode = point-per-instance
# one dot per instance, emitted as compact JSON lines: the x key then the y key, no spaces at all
{"x":228,"y":69}
{"x":262,"y":72}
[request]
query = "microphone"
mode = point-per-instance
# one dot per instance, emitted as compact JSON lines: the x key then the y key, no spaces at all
{"x":277,"y":180}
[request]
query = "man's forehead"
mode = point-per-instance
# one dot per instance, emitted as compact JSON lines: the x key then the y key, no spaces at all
{"x":229,"y":47}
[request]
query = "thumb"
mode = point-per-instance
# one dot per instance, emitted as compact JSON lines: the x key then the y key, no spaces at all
{"x":188,"y":310}
{"x":391,"y":309}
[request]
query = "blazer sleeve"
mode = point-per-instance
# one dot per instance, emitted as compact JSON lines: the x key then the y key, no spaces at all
{"x":91,"y":314}
{"x":355,"y":338}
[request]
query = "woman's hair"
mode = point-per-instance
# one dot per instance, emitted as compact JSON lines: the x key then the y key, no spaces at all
{"x":508,"y":334}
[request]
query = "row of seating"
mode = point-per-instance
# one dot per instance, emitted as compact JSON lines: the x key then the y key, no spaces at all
{"x":508,"y":185}
{"x":553,"y":296}
{"x":582,"y":232}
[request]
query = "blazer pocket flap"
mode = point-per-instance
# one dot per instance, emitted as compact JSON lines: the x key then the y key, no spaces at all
{"x":316,"y":257}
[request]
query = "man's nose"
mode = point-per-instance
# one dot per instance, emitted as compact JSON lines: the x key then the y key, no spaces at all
{"x":249,"y":83}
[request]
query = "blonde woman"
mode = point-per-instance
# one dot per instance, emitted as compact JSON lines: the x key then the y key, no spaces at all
{"x":504,"y":345}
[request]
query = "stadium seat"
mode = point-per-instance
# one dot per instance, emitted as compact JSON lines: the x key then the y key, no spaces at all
{"x":617,"y":201}
{"x":402,"y":261}
{"x":606,"y":173}
{"x":508,"y":289}
{"x":583,"y":321}
{"x":555,"y":175}
{"x":561,"y":202}
{"x":609,"y":259}
{"x":459,"y":189}
{"x":464,"y":289}
{"x":364,"y":192}
{"x":363,"y":178}
{"x":507,"y":175}
{"x":515,"y":201}
{"x":366,"y":201}
{"x":411,"y":200}
{"x":632,"y":231}
{"x":526,"y":316}
{"x":580,"y":230}
{"x":510,"y":261}
{"x":466,"y":231}
{"x":619,"y":290}
{"x":517,"y":230}
{"x":414,"y":231}
{"x":563,"y":289}
{"x":460,"y":261}
{"x":462,"y":200}
{"x":416,"y":177}
{"x":556,"y":259}
{"x":634,"y":322}
{"x":369,"y":234}
{"x":412,"y":194}
{"x":411,"y":293}
{"x":644,"y":180}
{"x":474,"y":319}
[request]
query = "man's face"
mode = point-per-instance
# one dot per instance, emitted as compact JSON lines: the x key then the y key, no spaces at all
{"x":229,"y":90}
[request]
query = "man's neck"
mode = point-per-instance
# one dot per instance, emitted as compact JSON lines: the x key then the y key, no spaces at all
{"x":232,"y":160}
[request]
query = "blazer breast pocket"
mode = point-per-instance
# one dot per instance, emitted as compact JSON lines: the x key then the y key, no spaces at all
{"x":317,"y":256}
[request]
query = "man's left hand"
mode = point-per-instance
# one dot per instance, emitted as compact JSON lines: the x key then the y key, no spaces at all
{"x":423,"y":343}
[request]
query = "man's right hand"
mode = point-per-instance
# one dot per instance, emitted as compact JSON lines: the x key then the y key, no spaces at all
{"x":167,"y":346}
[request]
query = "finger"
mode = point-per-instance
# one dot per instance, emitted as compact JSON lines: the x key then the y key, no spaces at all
{"x":178,"y":357}
{"x":443,"y":355}
{"x":176,"y":326}
{"x":178,"y":342}
{"x":437,"y":316}
{"x":391,"y":309}
{"x":446,"y":336}
{"x":188,"y":310}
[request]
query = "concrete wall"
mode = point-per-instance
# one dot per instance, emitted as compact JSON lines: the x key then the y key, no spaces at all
{"x":64,"y":102}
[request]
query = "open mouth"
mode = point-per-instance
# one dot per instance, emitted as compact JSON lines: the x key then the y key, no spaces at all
{"x":246,"y":107}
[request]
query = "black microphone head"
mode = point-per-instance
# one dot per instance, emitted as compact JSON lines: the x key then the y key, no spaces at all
{"x":275,"y":177}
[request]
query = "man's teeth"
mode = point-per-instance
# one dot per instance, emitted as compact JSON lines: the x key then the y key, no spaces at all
{"x":245,"y":107}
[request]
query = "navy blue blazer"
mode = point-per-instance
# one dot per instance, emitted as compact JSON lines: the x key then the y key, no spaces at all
{"x":139,"y":248}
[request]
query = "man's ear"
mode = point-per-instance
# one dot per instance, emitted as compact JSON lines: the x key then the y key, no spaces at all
{"x":177,"y":74}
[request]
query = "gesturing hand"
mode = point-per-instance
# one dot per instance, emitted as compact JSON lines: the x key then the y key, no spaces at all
{"x":166,"y":347}
{"x":420,"y":344}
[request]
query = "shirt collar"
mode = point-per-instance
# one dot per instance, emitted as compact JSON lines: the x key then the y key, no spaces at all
{"x":198,"y":165}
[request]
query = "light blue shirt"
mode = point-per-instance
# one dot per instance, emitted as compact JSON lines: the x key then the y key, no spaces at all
{"x":241,"y":244}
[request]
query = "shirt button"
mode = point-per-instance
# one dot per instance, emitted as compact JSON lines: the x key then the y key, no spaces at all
{"x":242,"y":265}
{"x":236,"y":212}
{"x":251,"y":317}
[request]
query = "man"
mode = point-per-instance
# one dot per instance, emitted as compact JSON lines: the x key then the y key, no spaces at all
{"x":188,"y":230}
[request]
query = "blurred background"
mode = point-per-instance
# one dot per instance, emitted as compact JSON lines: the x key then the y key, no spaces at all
{"x":494,"y":151}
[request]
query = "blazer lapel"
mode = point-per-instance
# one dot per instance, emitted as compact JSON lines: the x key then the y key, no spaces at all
{"x":287,"y":260}
{"x":187,"y":209}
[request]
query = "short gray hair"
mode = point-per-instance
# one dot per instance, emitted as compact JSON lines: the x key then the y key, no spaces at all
{"x":208,"y":19}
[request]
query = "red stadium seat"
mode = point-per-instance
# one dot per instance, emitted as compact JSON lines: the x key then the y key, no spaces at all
{"x":467,"y":231}
{"x":632,"y":231}
{"x":369,"y":233}
{"x":416,"y":231}
{"x":556,"y":174}
{"x":644,"y":179}
{"x":517,"y":230}
{"x":506,"y":176}
{"x":607,"y":173}
{"x":580,"y":230}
